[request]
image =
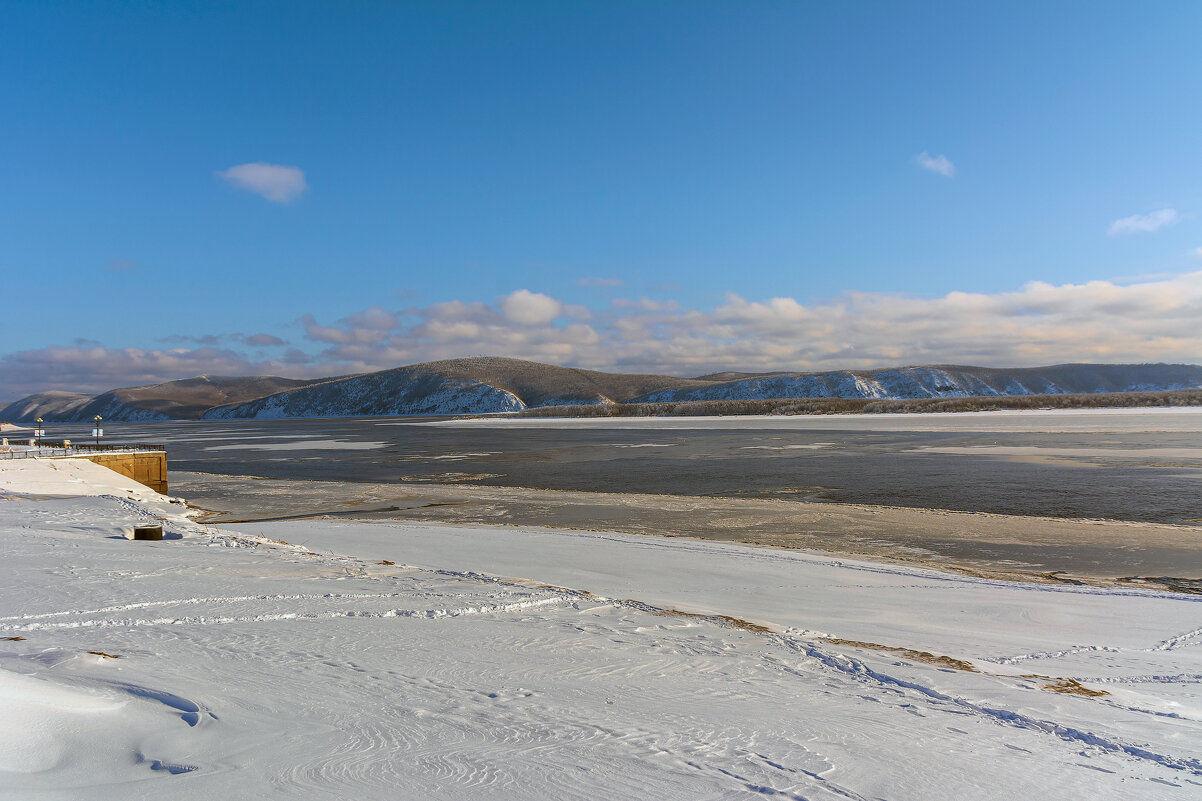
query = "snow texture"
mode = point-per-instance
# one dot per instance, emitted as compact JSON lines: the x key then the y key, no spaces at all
{"x":399,"y":661}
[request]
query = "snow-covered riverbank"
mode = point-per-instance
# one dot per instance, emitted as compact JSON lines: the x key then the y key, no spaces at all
{"x":391,"y":660}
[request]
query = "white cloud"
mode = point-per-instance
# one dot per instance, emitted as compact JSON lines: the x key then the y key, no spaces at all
{"x":593,"y":281}
{"x":1144,"y":223}
{"x":1198,"y":252}
{"x":1040,"y":323}
{"x":530,"y":308}
{"x":1149,"y":319}
{"x":276,"y":182}
{"x":940,"y":164}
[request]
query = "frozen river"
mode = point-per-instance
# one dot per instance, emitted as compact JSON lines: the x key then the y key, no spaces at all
{"x":1141,"y":465}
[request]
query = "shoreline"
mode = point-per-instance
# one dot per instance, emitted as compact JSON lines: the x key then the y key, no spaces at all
{"x":1073,"y":551}
{"x":916,"y":420}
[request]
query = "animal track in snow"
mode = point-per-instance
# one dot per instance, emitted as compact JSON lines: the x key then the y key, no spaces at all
{"x":1187,"y":640}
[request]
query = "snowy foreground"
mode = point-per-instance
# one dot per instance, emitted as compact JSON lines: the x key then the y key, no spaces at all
{"x":515,"y":663}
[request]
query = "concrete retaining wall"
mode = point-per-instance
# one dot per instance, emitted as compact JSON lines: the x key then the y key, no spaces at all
{"x":144,"y":467}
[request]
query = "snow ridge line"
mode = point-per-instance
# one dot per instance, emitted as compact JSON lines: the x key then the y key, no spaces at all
{"x":283,"y":616}
{"x":183,"y":601}
{"x":854,"y":667}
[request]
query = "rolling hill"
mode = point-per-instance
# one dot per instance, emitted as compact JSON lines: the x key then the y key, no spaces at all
{"x":494,"y":384}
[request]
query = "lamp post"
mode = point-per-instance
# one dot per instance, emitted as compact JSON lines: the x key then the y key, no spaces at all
{"x":97,"y":432}
{"x":38,"y":433}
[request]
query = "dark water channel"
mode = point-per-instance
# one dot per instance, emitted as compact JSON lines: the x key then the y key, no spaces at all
{"x":1142,"y":474}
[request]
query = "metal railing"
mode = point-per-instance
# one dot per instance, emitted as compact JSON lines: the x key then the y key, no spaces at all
{"x":44,"y":448}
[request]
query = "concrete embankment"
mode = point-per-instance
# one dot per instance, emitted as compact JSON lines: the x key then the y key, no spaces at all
{"x":144,"y":467}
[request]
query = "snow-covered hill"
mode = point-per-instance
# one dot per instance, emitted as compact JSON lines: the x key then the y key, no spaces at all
{"x":53,"y":405}
{"x":419,"y":390}
{"x":393,"y":392}
{"x":948,"y":382}
{"x":487,"y":385}
{"x":456,"y":386}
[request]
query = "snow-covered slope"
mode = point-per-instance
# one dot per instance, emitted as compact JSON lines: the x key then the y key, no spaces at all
{"x":402,"y":661}
{"x":52,"y":405}
{"x":394,"y":392}
{"x":948,"y":382}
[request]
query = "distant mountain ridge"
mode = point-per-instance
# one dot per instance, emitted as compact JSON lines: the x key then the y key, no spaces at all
{"x":454,"y":386}
{"x":185,"y":399}
{"x":494,"y":384}
{"x":947,"y":381}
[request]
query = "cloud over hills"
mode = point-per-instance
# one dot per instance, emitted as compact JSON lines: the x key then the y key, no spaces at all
{"x":530,"y":308}
{"x":1102,"y":321}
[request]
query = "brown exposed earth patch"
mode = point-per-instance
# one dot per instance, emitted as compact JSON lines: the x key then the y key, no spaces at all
{"x":908,"y":653}
{"x":1067,"y":686}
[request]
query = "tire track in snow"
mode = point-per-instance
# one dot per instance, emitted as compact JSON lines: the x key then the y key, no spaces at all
{"x":285,"y":616}
{"x":221,"y":599}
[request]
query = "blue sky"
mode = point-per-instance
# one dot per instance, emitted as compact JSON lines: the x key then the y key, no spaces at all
{"x":318,"y":188}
